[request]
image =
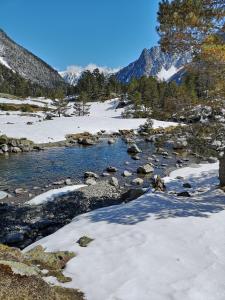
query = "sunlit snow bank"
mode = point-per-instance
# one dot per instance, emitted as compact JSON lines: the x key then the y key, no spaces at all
{"x":158,"y":247}
{"x":103,"y":116}
{"x":52,"y":194}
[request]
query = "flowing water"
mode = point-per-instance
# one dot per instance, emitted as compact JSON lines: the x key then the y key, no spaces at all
{"x":32,"y":169}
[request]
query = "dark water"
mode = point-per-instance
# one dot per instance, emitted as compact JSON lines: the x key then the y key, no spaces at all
{"x":40,"y":168}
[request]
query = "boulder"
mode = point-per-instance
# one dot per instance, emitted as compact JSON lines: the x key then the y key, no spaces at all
{"x":90,"y":175}
{"x":180,"y":143}
{"x":145,"y":169}
{"x":114,"y":182}
{"x":126,"y":173}
{"x":138,"y":181}
{"x":90,"y":181}
{"x":111,"y":169}
{"x":4,"y":148}
{"x":133,"y":149}
{"x":111,"y":141}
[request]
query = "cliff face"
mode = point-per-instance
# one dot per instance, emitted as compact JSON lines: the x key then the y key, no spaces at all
{"x":154,"y":62}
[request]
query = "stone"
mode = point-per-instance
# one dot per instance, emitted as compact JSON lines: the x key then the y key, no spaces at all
{"x":180,"y":143}
{"x":132,"y":194}
{"x":133,"y":149}
{"x":4,"y":148}
{"x":138,"y":181}
{"x":145,"y":169}
{"x":183,"y":194}
{"x":3,"y":195}
{"x":14,"y":238}
{"x":187,"y":185}
{"x":20,"y":191}
{"x":16,"y":150}
{"x":111,"y":141}
{"x":212,"y":160}
{"x":126,"y":173}
{"x":68,"y":181}
{"x":114,"y":181}
{"x":90,"y":175}
{"x":90,"y":181}
{"x":135,"y":157}
{"x":111,"y":169}
{"x":86,"y":141}
{"x":84,"y":241}
{"x":158,"y":184}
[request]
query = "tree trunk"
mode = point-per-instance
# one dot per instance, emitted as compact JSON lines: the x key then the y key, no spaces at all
{"x":222,"y":170}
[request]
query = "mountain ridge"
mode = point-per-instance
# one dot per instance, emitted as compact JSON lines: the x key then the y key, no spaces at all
{"x":26,"y":64}
{"x":154,"y":62}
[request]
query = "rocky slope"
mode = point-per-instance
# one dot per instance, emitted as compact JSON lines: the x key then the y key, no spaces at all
{"x":153,"y":62}
{"x":26,"y":64}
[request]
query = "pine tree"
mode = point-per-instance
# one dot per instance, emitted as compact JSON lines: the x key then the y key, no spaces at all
{"x":81,"y":108}
{"x":60,"y":106}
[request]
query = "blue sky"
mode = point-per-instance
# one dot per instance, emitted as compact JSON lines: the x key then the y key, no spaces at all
{"x":78,"y":32}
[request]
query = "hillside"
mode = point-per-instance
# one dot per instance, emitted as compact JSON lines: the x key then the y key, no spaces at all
{"x":26,"y":64}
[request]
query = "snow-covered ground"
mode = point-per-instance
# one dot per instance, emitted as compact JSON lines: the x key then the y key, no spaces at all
{"x":157,"y":247}
{"x":32,"y":101}
{"x":103,"y":116}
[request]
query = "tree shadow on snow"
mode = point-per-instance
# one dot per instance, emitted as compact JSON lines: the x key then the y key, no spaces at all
{"x":164,"y":205}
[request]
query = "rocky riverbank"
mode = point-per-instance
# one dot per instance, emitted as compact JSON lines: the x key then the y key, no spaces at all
{"x":22,"y":225}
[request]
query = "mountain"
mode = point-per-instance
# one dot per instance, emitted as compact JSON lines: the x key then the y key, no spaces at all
{"x":26,"y":64}
{"x":73,"y":73}
{"x":154,"y":62}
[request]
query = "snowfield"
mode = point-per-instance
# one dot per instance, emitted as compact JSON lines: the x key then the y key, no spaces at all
{"x":103,"y":116}
{"x":157,"y":247}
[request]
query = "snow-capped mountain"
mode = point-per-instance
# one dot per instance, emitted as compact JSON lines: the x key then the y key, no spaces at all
{"x":154,"y":62}
{"x":73,"y":73}
{"x":26,"y":64}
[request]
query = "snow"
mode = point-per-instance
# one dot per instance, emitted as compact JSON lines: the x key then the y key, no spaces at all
{"x":73,"y":73}
{"x":165,"y":75}
{"x":159,"y":246}
{"x":52,"y":194}
{"x":30,"y":101}
{"x":4,"y":63}
{"x":103,"y":116}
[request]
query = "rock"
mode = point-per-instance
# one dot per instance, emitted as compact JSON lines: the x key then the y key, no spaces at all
{"x":180,"y":143}
{"x":16,"y":150}
{"x":135,"y":157}
{"x":132,"y":194}
{"x":20,"y":191}
{"x":86,"y":141}
{"x":90,"y":181}
{"x":158,"y":184}
{"x":111,"y":141}
{"x":133,"y":149}
{"x":212,"y":160}
{"x":138,"y":181}
{"x":68,"y":181}
{"x":126,"y":173}
{"x":146,"y":169}
{"x":13,"y":238}
{"x":84,"y":241}
{"x":183,"y":194}
{"x":4,"y":148}
{"x":90,"y":175}
{"x":105,"y":174}
{"x":3,"y":195}
{"x":187,"y":185}
{"x":60,"y":182}
{"x":114,"y":181}
{"x":111,"y":169}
